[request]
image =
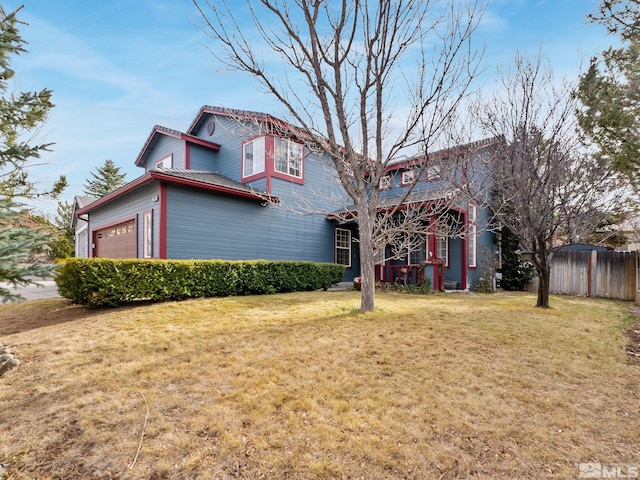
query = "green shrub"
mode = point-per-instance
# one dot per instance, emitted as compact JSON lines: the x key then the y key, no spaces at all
{"x":95,"y":281}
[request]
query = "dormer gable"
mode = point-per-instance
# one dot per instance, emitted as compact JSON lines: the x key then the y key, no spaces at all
{"x":185,"y":141}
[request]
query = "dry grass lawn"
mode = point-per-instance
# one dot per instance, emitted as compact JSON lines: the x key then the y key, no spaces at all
{"x":304,"y":386}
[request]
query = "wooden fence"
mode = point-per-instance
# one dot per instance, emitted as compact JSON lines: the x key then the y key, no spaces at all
{"x":606,"y":274}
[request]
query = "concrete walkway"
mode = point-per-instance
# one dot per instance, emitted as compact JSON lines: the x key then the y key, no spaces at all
{"x":45,"y":289}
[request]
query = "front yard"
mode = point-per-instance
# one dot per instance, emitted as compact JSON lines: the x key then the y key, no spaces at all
{"x":305,"y":386}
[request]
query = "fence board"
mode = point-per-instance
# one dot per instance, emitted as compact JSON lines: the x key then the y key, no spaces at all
{"x":598,"y":274}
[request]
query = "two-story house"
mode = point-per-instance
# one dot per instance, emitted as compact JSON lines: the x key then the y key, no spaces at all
{"x":240,"y":185}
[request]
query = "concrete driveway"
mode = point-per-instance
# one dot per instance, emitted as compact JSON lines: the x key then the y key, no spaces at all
{"x":45,"y":289}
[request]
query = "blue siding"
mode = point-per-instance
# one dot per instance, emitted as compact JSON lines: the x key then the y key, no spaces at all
{"x":166,"y":145}
{"x":207,"y":225}
{"x":202,"y":158}
{"x":131,"y":205}
{"x":486,"y":247}
{"x":229,"y":134}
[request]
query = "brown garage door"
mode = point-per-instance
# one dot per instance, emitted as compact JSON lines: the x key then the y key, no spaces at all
{"x":118,"y":241}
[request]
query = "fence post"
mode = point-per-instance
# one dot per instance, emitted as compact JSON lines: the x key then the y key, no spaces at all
{"x":593,"y":274}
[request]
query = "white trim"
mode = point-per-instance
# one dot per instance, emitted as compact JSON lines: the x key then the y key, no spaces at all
{"x":294,"y":157}
{"x":444,"y":257}
{"x":472,"y":236}
{"x":408,"y":176}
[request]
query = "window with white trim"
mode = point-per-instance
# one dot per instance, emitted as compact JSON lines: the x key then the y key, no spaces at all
{"x":472,"y":235}
{"x":385,"y":182}
{"x":287,"y":157}
{"x":343,"y":246}
{"x":166,"y":162}
{"x":147,"y":234}
{"x":408,"y":176}
{"x":433,"y":173}
{"x":253,"y":157}
{"x":442,"y":249}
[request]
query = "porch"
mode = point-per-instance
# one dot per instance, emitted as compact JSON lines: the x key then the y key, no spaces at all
{"x":416,"y":274}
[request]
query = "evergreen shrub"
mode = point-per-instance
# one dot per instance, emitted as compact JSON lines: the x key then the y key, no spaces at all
{"x":108,"y":282}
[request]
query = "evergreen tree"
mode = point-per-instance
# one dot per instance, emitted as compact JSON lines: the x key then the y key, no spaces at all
{"x":21,"y":114}
{"x":105,"y":180}
{"x":63,"y":245}
{"x":610,"y":90}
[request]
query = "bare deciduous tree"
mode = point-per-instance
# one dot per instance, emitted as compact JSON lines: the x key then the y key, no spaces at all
{"x":369,"y":81}
{"x":548,"y":189}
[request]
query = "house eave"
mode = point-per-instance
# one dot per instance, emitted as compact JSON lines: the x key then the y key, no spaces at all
{"x":163,"y":177}
{"x":258,"y":196}
{"x":137,"y":183}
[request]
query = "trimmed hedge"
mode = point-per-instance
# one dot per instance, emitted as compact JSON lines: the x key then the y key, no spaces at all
{"x":97,"y":282}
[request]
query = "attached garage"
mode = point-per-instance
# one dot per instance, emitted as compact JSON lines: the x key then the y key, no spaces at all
{"x":116,"y":241}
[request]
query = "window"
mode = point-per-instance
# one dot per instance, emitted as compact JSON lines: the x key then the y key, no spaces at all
{"x":433,"y":173}
{"x":147,"y":234}
{"x":442,"y":249}
{"x":385,"y":182}
{"x":418,"y":251}
{"x":253,"y":157}
{"x":166,"y":162}
{"x":343,"y":246}
{"x":407,"y":177}
{"x":287,"y":157}
{"x":472,"y":235}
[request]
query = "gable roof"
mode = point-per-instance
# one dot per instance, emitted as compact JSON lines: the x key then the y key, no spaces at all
{"x":79,"y":202}
{"x":388,"y":203}
{"x":211,"y":181}
{"x":234,"y":113}
{"x":158,"y":131}
{"x":438,"y":155}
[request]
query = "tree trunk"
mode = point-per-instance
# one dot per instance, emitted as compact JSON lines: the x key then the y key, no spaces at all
{"x":544,"y":276}
{"x":367,"y":261}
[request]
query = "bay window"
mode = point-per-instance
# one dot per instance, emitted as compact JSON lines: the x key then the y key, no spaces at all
{"x":253,"y":157}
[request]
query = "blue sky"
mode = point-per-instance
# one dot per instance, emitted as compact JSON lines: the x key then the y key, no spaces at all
{"x":119,"y":67}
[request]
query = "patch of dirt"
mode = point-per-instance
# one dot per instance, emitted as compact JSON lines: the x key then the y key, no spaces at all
{"x":40,"y":313}
{"x":633,"y":349}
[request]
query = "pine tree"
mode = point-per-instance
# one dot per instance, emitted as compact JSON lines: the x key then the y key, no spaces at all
{"x":21,"y":114}
{"x":105,"y":180}
{"x":610,"y":92}
{"x":63,"y":245}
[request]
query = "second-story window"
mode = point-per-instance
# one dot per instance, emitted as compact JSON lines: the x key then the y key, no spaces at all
{"x":385,"y":182}
{"x":166,"y":162}
{"x":433,"y":173}
{"x":287,"y":157}
{"x":253,"y":157}
{"x":407,"y":177}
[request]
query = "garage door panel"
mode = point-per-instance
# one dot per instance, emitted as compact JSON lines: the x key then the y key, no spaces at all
{"x":117,"y":241}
